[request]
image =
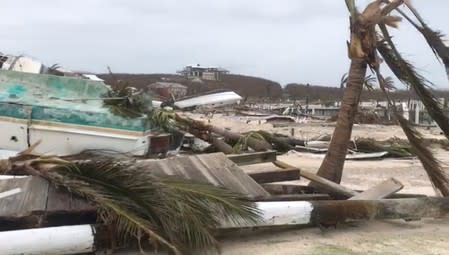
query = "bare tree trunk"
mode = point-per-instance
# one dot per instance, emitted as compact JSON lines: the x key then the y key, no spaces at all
{"x":256,"y":144}
{"x":221,"y":145}
{"x":332,"y":166}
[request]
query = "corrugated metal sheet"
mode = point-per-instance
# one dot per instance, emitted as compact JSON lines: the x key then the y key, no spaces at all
{"x":213,"y":168}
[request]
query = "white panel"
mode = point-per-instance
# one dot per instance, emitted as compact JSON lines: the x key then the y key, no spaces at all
{"x":216,"y":99}
{"x":10,"y":192}
{"x":50,"y":241}
{"x":66,"y":141}
{"x":285,"y":213}
{"x":13,"y":136}
{"x":279,"y":213}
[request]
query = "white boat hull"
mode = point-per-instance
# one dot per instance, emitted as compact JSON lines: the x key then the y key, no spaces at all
{"x":63,"y":139}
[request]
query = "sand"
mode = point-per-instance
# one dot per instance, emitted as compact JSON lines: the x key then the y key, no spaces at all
{"x":428,"y":236}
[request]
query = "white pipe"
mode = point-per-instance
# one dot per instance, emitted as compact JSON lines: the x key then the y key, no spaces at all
{"x":49,"y":241}
{"x":279,"y":213}
{"x":285,"y":213}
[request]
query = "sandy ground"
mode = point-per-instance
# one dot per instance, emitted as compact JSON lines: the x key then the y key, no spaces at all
{"x":427,"y":236}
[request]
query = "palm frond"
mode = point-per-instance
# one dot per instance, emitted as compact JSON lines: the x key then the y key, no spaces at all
{"x":433,"y":38}
{"x":437,"y":176}
{"x":242,"y":143}
{"x":369,"y":82}
{"x":350,"y":4}
{"x":407,"y":74}
{"x":343,"y":80}
{"x":176,"y":214}
{"x":162,"y":118}
{"x":393,"y":148}
{"x":119,"y":102}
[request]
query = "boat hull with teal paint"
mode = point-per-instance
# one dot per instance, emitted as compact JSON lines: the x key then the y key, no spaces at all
{"x":66,"y":115}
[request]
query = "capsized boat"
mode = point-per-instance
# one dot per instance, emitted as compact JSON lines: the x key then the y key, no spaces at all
{"x":66,"y":115}
{"x":210,"y":99}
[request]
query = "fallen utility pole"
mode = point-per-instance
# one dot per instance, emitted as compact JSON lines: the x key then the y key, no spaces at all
{"x":332,"y":212}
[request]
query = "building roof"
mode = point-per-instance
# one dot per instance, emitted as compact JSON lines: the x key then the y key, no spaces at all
{"x":206,"y":68}
{"x":161,"y":84}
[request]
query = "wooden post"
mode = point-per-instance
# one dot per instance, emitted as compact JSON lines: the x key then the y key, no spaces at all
{"x":253,"y":158}
{"x":322,"y":182}
{"x":275,"y":175}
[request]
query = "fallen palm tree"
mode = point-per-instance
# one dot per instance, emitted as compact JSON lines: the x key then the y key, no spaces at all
{"x":394,"y":147}
{"x":254,"y":142}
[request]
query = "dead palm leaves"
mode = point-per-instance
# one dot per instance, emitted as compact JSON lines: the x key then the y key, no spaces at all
{"x":178,"y":215}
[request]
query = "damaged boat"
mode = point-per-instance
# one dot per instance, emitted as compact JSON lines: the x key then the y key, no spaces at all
{"x":66,"y":115}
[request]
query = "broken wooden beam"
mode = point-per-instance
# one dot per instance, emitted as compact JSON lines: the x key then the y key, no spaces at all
{"x":382,"y":190}
{"x":288,"y":188}
{"x":322,"y":182}
{"x":275,"y":175}
{"x":253,"y":158}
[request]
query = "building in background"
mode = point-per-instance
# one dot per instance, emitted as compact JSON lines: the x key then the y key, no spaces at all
{"x":204,"y":73}
{"x":166,"y":89}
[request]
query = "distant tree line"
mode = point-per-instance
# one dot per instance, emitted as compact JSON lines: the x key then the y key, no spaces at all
{"x":321,"y":93}
{"x":254,"y":87}
{"x":246,"y":86}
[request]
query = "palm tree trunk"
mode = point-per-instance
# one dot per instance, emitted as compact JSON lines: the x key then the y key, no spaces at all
{"x":332,"y":166}
{"x":255,"y":144}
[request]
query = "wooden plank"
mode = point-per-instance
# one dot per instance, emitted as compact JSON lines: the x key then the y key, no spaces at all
{"x":253,"y":158}
{"x":214,"y":168}
{"x":406,"y":195}
{"x":31,"y":198}
{"x":290,"y":188}
{"x":322,"y":182}
{"x":276,"y":175}
{"x":294,"y":188}
{"x":382,"y":190}
{"x":60,"y":200}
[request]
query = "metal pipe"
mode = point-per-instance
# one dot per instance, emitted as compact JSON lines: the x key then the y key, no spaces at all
{"x":50,"y":241}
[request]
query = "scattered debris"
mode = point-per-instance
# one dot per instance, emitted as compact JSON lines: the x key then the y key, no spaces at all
{"x":78,"y":157}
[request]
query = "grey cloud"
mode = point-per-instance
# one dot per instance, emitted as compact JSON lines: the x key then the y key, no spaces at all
{"x":284,"y":40}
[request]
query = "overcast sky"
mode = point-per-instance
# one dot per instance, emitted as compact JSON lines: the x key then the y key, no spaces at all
{"x":284,"y":40}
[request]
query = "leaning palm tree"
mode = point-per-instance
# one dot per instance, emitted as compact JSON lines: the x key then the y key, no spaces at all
{"x":370,"y":36}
